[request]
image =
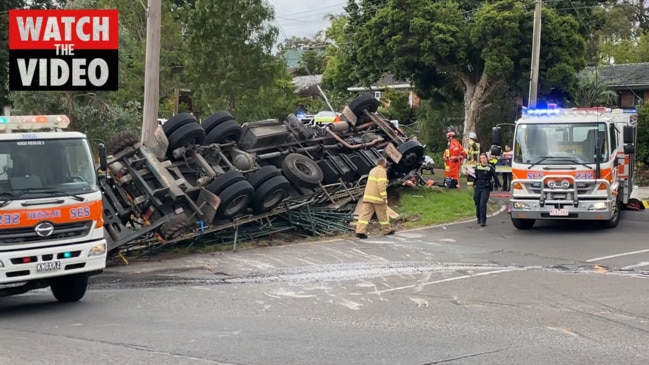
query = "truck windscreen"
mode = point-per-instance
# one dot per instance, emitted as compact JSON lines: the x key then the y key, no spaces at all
{"x":34,"y":168}
{"x":560,"y":144}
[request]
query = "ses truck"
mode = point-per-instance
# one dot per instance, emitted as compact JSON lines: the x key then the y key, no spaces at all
{"x":571,"y":164}
{"x":51,"y":218}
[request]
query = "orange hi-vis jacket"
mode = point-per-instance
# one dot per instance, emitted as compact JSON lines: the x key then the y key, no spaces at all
{"x":377,"y":185}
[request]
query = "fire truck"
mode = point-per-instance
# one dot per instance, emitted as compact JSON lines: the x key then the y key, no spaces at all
{"x":51,"y":217}
{"x":571,"y":164}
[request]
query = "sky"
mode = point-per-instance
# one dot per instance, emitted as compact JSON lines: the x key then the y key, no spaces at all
{"x":304,"y":18}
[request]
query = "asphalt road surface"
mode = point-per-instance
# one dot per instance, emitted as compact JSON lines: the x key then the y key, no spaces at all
{"x":567,"y":293}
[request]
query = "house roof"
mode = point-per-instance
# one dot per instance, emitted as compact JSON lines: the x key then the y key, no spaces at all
{"x":387,"y":81}
{"x":625,"y":76}
{"x":305,"y":82}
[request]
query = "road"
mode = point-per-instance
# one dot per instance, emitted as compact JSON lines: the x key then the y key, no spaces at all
{"x":458,"y":294}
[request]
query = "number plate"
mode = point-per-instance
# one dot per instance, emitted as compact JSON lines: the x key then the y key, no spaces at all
{"x":48,"y":266}
{"x":559,"y":212}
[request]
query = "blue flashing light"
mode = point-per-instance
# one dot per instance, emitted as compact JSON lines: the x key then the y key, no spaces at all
{"x":67,"y":254}
{"x":544,"y":111}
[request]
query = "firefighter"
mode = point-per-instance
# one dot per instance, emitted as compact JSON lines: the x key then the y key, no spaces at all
{"x":457,"y":156}
{"x":484,"y":174}
{"x":375,"y":200}
{"x":473,"y":155}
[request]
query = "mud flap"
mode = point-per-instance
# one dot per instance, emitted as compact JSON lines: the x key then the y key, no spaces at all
{"x":158,"y":143}
{"x":209,"y":204}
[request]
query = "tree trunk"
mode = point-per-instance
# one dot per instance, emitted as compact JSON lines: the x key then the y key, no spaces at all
{"x":69,"y":106}
{"x":475,"y":95}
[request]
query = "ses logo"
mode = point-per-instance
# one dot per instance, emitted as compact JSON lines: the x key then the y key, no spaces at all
{"x":63,"y":49}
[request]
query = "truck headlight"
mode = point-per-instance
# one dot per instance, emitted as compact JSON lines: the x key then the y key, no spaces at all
{"x":520,"y":206}
{"x":565,"y":184}
{"x":598,"y":206}
{"x":97,"y":250}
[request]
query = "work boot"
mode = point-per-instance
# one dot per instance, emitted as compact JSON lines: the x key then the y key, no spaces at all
{"x":390,"y":233}
{"x":361,"y":236}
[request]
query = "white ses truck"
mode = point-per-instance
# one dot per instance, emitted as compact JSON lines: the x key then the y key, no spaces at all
{"x":571,"y":164}
{"x":51,"y":224}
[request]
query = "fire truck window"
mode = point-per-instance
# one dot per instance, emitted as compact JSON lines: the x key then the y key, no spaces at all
{"x":613,"y":136}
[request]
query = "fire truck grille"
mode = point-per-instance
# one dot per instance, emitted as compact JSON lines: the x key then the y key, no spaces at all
{"x":28,"y":234}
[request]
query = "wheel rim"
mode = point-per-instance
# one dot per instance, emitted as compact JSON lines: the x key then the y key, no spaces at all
{"x":237,"y":204}
{"x":274,"y":198}
{"x":304,"y":168}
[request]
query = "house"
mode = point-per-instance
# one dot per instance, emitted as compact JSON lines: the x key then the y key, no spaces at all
{"x":388,"y":81}
{"x":630,"y":81}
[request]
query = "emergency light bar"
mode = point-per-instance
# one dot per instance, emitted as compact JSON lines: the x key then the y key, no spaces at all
{"x":575,"y":111}
{"x":33,"y":122}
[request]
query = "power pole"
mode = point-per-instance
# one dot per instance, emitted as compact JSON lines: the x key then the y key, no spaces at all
{"x":536,"y":54}
{"x":176,"y":99}
{"x":152,"y":70}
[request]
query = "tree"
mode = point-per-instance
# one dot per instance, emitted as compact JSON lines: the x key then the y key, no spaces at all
{"x":5,"y":6}
{"x":312,"y":62}
{"x":228,"y":44}
{"x":591,"y":91}
{"x":444,"y":49}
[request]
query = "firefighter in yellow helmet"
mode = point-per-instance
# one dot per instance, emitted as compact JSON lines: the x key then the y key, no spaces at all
{"x":473,"y":156}
{"x":375,"y":200}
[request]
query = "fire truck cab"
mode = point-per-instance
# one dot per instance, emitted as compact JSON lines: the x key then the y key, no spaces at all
{"x":571,"y":164}
{"x":51,"y":218}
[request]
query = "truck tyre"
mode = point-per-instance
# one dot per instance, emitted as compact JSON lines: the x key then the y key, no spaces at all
{"x":523,"y":224}
{"x":186,"y":135}
{"x":70,"y":288}
{"x":302,"y":171}
{"x":615,"y":219}
{"x":176,"y":122}
{"x":221,"y":182}
{"x":262,"y":175}
{"x":122,"y":141}
{"x":175,"y":226}
{"x":362,"y":102}
{"x":235,"y":199}
{"x":227,"y":131}
{"x":270,"y":194}
{"x":412,"y":153}
{"x":216,"y":119}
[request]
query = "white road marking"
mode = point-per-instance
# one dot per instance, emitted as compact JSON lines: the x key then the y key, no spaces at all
{"x":617,"y":255}
{"x":631,"y":267}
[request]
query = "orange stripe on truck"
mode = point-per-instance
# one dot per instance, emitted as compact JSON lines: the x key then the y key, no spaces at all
{"x":29,"y":217}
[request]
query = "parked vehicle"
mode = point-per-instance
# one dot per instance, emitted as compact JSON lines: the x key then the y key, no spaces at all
{"x":51,"y":216}
{"x":203,"y":178}
{"x":571,"y":164}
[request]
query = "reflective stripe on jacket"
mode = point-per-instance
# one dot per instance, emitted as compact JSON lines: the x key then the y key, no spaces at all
{"x":377,"y":185}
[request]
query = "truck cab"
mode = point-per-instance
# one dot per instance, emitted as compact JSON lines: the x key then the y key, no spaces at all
{"x":51,"y":217}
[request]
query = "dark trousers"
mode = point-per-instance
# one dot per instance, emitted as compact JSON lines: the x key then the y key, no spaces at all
{"x":507,"y":179}
{"x":480,"y":197}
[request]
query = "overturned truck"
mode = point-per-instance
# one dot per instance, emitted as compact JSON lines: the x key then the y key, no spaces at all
{"x":203,"y":178}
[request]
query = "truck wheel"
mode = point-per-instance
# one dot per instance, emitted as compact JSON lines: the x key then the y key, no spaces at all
{"x":362,"y":102}
{"x":302,"y":171}
{"x":270,"y":194}
{"x":523,"y":224}
{"x":615,"y":219}
{"x":175,"y":226}
{"x":227,"y":131}
{"x":176,"y":122}
{"x":69,"y":288}
{"x":216,"y":119}
{"x":186,"y":135}
{"x":221,"y":182}
{"x":122,"y":141}
{"x":262,"y":175}
{"x":412,"y":154}
{"x":235,"y":199}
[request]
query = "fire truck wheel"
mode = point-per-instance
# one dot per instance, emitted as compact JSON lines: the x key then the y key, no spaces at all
{"x":69,"y":288}
{"x":216,"y":119}
{"x":186,"y":135}
{"x":221,"y":182}
{"x":302,"y":171}
{"x":270,"y":194}
{"x":176,"y":122}
{"x":121,"y":141}
{"x":263,"y":174}
{"x":175,"y":226}
{"x":362,"y":102}
{"x":412,"y":153}
{"x":615,"y":219}
{"x":523,"y":224}
{"x":235,"y":199}
{"x":227,"y":131}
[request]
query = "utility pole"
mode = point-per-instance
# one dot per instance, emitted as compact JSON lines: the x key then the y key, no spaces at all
{"x":176,"y":99}
{"x":152,"y":70}
{"x":536,"y":54}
